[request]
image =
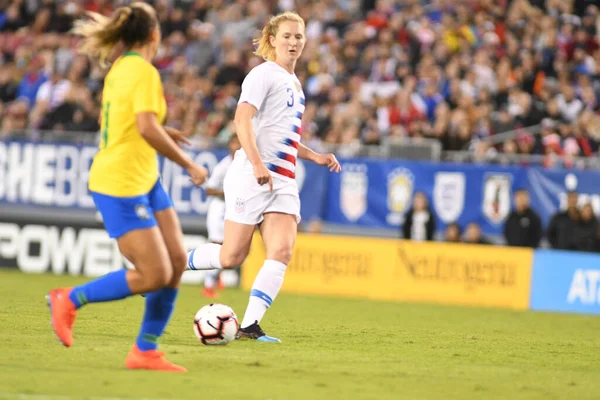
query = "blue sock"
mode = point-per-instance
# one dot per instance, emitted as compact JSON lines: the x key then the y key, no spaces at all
{"x":112,"y":286}
{"x":159,"y":307}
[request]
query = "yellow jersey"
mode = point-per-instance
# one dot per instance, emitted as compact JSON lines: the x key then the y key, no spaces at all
{"x":126,"y":165}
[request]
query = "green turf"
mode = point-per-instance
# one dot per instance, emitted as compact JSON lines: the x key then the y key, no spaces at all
{"x":332,"y":349}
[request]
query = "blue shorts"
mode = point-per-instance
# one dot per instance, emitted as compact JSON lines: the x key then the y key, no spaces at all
{"x":124,"y":214}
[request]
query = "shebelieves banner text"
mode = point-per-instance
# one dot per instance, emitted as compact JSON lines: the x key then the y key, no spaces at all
{"x":56,"y":175}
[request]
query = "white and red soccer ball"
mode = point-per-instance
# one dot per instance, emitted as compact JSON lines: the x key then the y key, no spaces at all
{"x":216,"y":324}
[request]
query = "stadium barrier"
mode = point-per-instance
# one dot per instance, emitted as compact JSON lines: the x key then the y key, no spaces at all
{"x":388,"y":269}
{"x":445,"y":273}
{"x":382,"y":269}
{"x":75,"y":249}
{"x":566,"y":282}
{"x":48,"y":224}
{"x":369,"y":193}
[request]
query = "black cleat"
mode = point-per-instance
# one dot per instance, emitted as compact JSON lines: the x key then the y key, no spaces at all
{"x":255,"y":332}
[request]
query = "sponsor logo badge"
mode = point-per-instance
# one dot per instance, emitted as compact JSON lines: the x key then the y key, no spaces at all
{"x":400,"y":191}
{"x":353,"y":191}
{"x":496,"y":197}
{"x":449,"y":195}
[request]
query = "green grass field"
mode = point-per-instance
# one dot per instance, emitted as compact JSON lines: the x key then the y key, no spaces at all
{"x":332,"y":349}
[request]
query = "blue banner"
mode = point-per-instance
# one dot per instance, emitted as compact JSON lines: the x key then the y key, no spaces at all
{"x":565,"y":282}
{"x":377,"y":193}
{"x":55,"y":175}
{"x":368,"y":192}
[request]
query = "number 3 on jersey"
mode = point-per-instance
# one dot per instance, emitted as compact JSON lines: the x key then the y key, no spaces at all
{"x":105,"y":110}
{"x":290,"y":102}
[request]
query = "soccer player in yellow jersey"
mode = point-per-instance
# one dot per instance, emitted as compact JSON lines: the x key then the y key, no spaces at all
{"x":125,"y":185}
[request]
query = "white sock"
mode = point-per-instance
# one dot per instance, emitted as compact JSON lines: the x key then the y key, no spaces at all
{"x":205,"y":257}
{"x":264,"y":290}
{"x":210,"y":279}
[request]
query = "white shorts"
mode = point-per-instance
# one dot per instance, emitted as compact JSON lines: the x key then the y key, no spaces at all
{"x":215,"y":221}
{"x":246,"y":201}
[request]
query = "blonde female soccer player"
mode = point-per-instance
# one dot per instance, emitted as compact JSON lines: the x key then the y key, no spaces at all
{"x":260,"y":188}
{"x":125,"y":185}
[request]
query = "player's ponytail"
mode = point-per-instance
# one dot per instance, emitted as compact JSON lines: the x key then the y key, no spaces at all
{"x":263,"y":45}
{"x":130,"y":25}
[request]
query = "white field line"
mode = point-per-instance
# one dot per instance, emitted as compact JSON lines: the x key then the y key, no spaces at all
{"x":28,"y":396}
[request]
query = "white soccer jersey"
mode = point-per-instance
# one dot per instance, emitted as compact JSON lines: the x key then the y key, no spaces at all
{"x":279,"y":99}
{"x":215,"y":218}
{"x":217,"y":176}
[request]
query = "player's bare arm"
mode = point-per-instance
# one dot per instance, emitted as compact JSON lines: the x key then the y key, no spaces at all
{"x":158,"y":138}
{"x":177,"y":135}
{"x":243,"y":124}
{"x":215,"y":192}
{"x":328,"y":160}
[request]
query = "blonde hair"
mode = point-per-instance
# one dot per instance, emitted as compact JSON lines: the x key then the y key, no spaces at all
{"x":130,"y":25}
{"x":263,"y":45}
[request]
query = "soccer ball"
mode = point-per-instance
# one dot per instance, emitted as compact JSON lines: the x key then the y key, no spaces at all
{"x":215,"y":324}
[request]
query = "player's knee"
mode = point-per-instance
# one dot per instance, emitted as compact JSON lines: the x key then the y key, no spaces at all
{"x":179,"y":261}
{"x":158,"y":279}
{"x":232,"y":260}
{"x":164,"y":277}
{"x":281,"y":254}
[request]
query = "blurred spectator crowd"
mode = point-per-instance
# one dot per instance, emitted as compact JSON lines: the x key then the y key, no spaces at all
{"x":457,"y":71}
{"x":574,"y":228}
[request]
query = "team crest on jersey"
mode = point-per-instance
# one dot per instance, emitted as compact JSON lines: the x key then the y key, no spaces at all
{"x":142,"y":211}
{"x":449,"y":195}
{"x":496,"y":197}
{"x":400,"y":190}
{"x":298,"y":87}
{"x":354,"y":184}
{"x":240,"y":205}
